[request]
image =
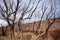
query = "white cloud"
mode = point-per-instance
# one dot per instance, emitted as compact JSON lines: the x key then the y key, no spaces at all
{"x":3,"y":22}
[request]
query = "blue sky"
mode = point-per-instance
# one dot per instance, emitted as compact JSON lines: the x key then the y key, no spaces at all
{"x":57,"y":14}
{"x":58,"y":8}
{"x":25,"y":2}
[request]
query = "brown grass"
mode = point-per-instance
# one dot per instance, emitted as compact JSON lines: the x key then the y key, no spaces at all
{"x":26,"y":36}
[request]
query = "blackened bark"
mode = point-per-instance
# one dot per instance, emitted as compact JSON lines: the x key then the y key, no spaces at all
{"x":3,"y":32}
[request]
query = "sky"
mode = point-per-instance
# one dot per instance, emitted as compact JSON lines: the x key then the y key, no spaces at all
{"x":57,"y":14}
{"x":58,"y":7}
{"x":25,"y":2}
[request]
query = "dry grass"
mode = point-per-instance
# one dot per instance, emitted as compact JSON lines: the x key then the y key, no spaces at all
{"x":26,"y":36}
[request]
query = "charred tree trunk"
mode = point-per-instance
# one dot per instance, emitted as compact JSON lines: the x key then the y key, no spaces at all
{"x":3,"y":32}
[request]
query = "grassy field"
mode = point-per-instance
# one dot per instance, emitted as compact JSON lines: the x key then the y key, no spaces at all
{"x":26,"y":36}
{"x":53,"y":33}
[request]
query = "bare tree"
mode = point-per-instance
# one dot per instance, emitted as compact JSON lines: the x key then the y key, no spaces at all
{"x":51,"y":13}
{"x":3,"y":32}
{"x":8,"y":10}
{"x":30,"y":15}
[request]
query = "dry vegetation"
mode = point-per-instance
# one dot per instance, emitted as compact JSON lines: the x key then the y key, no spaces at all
{"x":52,"y":34}
{"x":29,"y":36}
{"x":41,"y":30}
{"x":26,"y":36}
